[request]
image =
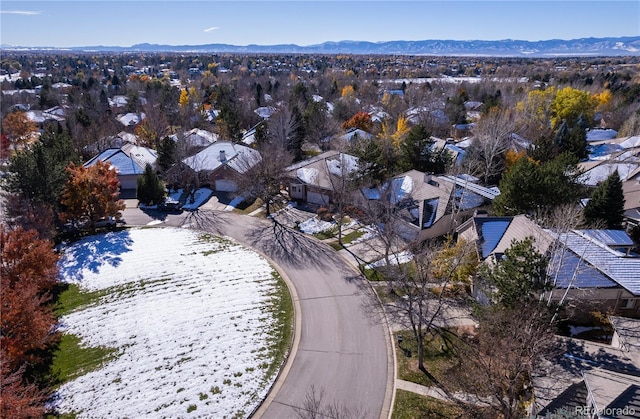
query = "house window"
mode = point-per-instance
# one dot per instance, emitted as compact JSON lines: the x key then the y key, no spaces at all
{"x":627,"y":303}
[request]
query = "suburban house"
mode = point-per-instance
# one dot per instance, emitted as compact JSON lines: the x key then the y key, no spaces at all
{"x":112,"y":141}
{"x":55,"y":114}
{"x":494,"y":235}
{"x":589,"y":268}
{"x":199,"y":137}
{"x":129,"y":162}
{"x":314,"y":180}
{"x":429,"y":206}
{"x":591,"y":379}
{"x":130,"y":119}
{"x":631,"y":190}
{"x":217,"y":166}
{"x":605,"y":157}
{"x":597,"y":266}
{"x":352,"y":134}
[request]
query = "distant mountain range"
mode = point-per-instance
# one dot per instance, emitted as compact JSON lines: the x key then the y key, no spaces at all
{"x":621,"y":46}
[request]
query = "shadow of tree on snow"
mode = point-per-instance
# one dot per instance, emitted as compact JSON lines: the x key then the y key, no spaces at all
{"x":93,"y":252}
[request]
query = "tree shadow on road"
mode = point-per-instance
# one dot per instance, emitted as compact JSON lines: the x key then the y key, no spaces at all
{"x":154,"y":213}
{"x":283,"y":244}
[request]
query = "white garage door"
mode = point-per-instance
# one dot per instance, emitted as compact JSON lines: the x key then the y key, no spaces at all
{"x":317,"y":198}
{"x":224,"y":185}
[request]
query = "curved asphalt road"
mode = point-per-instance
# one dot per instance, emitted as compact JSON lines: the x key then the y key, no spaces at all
{"x":342,"y":349}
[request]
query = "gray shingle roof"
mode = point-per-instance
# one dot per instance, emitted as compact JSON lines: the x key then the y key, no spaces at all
{"x":615,"y":265}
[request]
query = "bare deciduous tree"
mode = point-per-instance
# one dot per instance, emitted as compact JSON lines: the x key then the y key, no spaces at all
{"x":263,"y":178}
{"x":492,"y":137}
{"x":496,"y":365}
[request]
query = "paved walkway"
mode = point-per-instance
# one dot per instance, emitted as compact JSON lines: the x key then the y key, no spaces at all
{"x":436,"y":393}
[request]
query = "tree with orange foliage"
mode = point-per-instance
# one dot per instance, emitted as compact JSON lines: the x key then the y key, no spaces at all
{"x":146,"y":131}
{"x":17,"y":399}
{"x":28,"y":272}
{"x":91,"y":193}
{"x":361,"y":120}
{"x":512,"y":156}
{"x":17,"y":127}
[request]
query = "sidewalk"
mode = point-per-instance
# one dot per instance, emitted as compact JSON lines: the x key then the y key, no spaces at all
{"x":436,"y":393}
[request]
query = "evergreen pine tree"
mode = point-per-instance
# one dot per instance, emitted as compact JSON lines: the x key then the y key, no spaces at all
{"x":150,"y":188}
{"x":416,"y":152}
{"x":607,"y":203}
{"x":166,"y":153}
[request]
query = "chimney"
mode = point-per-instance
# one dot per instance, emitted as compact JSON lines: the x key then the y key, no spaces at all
{"x":222,"y":157}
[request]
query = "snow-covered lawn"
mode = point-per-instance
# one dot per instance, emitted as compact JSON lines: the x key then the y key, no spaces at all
{"x":314,"y":225}
{"x":191,"y":315}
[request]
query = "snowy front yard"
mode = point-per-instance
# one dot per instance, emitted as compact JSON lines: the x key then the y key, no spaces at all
{"x":193,"y":317}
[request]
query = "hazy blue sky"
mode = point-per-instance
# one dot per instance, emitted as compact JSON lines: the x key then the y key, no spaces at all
{"x":124,"y":23}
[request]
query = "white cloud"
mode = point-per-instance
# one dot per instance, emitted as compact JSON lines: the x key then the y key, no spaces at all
{"x":20,"y":12}
{"x":213,"y":28}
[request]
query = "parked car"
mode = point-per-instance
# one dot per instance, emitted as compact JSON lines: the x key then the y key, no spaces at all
{"x":108,"y":222}
{"x":170,"y":205}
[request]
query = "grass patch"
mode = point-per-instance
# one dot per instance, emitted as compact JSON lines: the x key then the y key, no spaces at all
{"x":281,"y":306}
{"x":248,"y":207}
{"x":326,"y":234}
{"x":409,"y":405}
{"x":71,"y":297}
{"x":351,"y":236}
{"x":436,"y":361}
{"x":71,"y":359}
{"x":373,"y":275}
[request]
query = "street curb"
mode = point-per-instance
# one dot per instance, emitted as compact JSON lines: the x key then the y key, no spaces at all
{"x":297,"y":331}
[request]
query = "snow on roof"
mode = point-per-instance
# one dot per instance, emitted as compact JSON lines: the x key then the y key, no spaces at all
{"x":307,"y":175}
{"x":465,"y":143}
{"x":401,"y":188}
{"x":265,"y":112}
{"x":342,"y":164}
{"x":200,"y":138}
{"x":353,"y":132}
{"x":238,"y":157}
{"x":601,"y":134}
{"x":130,"y":119}
{"x":42,"y":116}
{"x":600,"y":172}
{"x":603,"y":151}
{"x":141,"y":155}
{"x":466,"y":183}
{"x":118,"y":101}
{"x":631,"y":142}
{"x":60,"y":85}
{"x":119,"y":160}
